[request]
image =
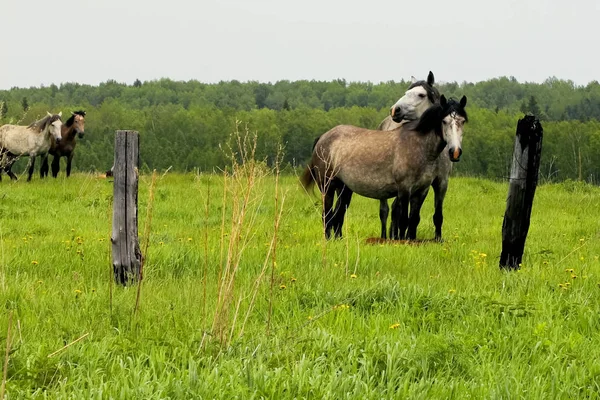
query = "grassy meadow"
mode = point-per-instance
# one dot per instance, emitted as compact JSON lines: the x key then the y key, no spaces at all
{"x":243,"y":298}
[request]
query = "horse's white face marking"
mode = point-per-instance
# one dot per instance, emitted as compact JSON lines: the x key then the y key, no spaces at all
{"x":413,"y":104}
{"x":452,"y":127}
{"x":55,"y":129}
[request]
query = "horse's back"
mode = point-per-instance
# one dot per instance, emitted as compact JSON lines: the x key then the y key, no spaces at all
{"x":16,"y":138}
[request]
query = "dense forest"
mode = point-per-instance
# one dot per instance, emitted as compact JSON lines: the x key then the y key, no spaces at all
{"x":183,"y":124}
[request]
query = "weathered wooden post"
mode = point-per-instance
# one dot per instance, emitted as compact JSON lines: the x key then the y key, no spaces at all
{"x":126,"y":254}
{"x":521,"y":190}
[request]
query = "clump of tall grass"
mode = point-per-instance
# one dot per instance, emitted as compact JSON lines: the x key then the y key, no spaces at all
{"x":241,"y":201}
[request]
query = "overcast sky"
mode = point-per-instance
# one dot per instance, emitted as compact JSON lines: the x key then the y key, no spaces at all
{"x":45,"y":42}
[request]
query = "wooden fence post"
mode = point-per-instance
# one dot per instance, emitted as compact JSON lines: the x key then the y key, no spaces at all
{"x":126,"y":254}
{"x":521,"y":190}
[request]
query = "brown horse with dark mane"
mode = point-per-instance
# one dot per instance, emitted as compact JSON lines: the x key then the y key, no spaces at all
{"x":75,"y":126}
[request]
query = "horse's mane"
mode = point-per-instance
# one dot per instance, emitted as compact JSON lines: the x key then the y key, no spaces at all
{"x":431,"y":119}
{"x":433,"y":94}
{"x":71,"y":120}
{"x":43,"y":123}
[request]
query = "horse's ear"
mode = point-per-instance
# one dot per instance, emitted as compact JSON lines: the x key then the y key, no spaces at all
{"x":413,"y":79}
{"x":60,"y":114}
{"x":47,"y":112}
{"x":430,"y":79}
{"x":443,"y":101}
{"x":72,"y":113}
{"x":463,"y":101}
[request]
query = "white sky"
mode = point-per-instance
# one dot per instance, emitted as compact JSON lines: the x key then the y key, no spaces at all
{"x":44,"y":42}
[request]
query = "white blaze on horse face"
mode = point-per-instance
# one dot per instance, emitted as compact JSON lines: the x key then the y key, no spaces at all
{"x":453,"y":125}
{"x":55,"y":129}
{"x":413,"y":104}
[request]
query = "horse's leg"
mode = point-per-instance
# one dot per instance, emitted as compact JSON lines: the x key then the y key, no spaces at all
{"x":44,"y":167}
{"x":56,"y":166}
{"x":69,"y":161}
{"x":440,"y":186}
{"x":399,"y":218}
{"x":416,"y":201}
{"x":342,"y":204}
{"x":30,"y":167}
{"x":384,"y":211}
{"x":328,"y":197}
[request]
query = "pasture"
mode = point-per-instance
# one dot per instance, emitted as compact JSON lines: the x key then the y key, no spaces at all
{"x":302,"y":317}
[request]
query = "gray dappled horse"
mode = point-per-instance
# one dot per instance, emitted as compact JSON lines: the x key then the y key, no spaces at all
{"x":384,"y":164}
{"x":33,"y":140}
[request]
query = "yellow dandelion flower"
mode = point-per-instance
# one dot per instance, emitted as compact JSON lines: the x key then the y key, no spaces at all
{"x":77,"y":291}
{"x":34,"y":262}
{"x":161,"y":243}
{"x":93,"y":290}
{"x":452,"y":291}
{"x":573,"y":276}
{"x":40,"y":282}
{"x":570,"y":270}
{"x":282,"y":287}
{"x":310,"y":316}
{"x":581,"y":258}
{"x":189,"y":239}
{"x":560,"y":285}
{"x":353,"y":276}
{"x":395,"y":326}
{"x":482,"y":255}
{"x":293,"y":280}
{"x":72,"y":229}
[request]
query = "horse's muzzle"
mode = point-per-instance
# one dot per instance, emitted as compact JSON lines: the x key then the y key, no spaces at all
{"x":455,"y":154}
{"x":80,"y":134}
{"x":58,"y":139}
{"x":397,"y":114}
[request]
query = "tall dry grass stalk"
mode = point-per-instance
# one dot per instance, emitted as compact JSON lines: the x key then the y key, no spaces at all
{"x":146,"y":238}
{"x":205,"y":266}
{"x":277,"y":219}
{"x":6,"y":356}
{"x":242,"y":199}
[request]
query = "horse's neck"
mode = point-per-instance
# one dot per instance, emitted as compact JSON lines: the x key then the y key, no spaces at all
{"x":432,"y":143}
{"x":68,"y":132}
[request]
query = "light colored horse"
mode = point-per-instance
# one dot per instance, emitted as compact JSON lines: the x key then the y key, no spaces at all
{"x":419,"y":96}
{"x":384,"y":164}
{"x":32,"y":140}
{"x":74,"y":127}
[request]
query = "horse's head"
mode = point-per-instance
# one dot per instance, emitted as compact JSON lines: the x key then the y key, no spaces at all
{"x":419,"y":97}
{"x":454,"y":117}
{"x":77,"y":121}
{"x":54,"y":126}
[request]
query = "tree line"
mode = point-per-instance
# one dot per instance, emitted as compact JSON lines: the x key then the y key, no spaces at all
{"x":183,"y":125}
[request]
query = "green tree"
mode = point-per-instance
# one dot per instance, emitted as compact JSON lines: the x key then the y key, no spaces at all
{"x":25,"y":104}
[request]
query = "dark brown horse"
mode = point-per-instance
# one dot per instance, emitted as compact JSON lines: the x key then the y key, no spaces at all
{"x":385,"y":164}
{"x":75,"y":126}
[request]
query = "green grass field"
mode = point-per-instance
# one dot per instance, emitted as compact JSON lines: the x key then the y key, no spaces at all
{"x":332,"y":320}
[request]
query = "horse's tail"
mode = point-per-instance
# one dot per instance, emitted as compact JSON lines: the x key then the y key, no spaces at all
{"x":315,"y":142}
{"x":308,"y":177}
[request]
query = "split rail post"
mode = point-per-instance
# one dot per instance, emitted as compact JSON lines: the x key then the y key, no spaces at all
{"x":126,"y":253}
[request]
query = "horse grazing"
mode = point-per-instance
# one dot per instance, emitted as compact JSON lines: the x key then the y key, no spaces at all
{"x":419,"y":96}
{"x":383,"y":164}
{"x":32,"y":140}
{"x":75,"y":126}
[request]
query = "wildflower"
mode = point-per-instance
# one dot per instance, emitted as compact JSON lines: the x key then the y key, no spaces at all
{"x":581,"y":258}
{"x":282,"y":287}
{"x":582,"y":240}
{"x":77,"y":291}
{"x":353,"y":276}
{"x":72,"y":229}
{"x":93,"y":290}
{"x":570,"y":270}
{"x":161,"y":243}
{"x":573,"y":276}
{"x":395,"y":326}
{"x":189,"y":239}
{"x":310,"y":316}
{"x":452,"y":291}
{"x":293,"y":280}
{"x":34,"y":262}
{"x":40,"y":282}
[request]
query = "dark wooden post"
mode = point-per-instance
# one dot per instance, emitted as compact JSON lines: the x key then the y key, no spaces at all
{"x":521,"y":190}
{"x":126,"y":254}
